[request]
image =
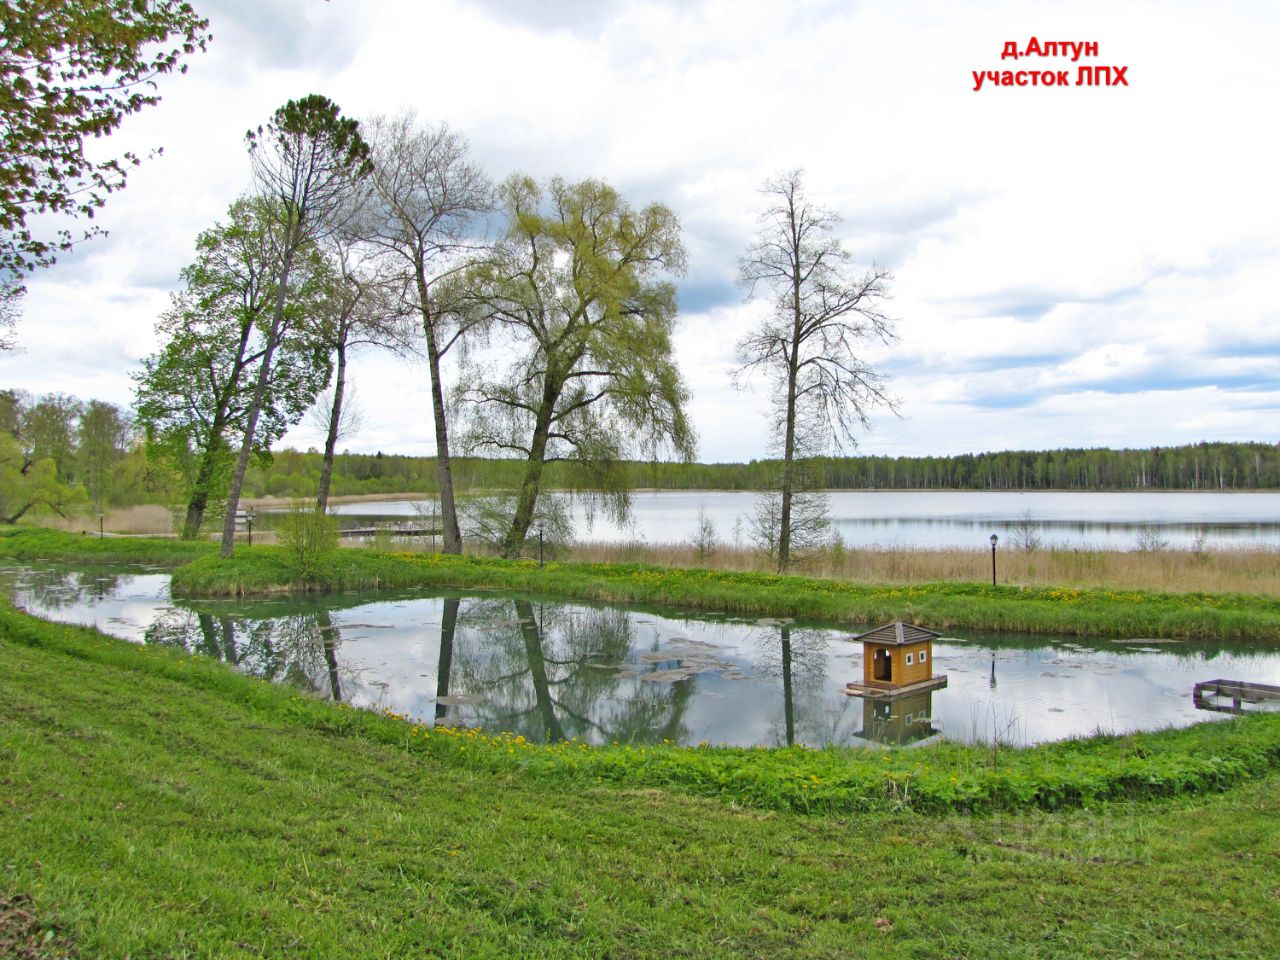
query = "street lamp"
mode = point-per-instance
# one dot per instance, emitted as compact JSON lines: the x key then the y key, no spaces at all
{"x":100,"y":519}
{"x":248,"y":522}
{"x":994,"y":538}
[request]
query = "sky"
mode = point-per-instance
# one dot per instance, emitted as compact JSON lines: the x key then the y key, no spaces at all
{"x":1073,"y":267}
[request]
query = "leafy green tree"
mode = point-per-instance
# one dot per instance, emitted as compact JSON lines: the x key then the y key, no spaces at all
{"x":808,"y":347}
{"x":49,"y":432}
{"x":574,"y":288}
{"x":194,"y":396}
{"x":26,"y":484}
{"x":70,"y":72}
{"x":103,"y":436}
{"x":306,"y":162}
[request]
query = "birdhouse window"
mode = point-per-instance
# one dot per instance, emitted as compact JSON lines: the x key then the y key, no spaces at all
{"x":909,"y":660}
{"x":923,"y":656}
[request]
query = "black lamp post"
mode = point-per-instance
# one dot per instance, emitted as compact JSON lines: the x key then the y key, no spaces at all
{"x":994,"y":538}
{"x":100,"y":519}
{"x":248,"y":522}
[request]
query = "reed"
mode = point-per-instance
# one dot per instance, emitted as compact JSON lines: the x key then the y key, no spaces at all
{"x":1255,"y":570}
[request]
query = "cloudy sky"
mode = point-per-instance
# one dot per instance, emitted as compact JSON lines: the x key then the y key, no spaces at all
{"x":1073,"y":267}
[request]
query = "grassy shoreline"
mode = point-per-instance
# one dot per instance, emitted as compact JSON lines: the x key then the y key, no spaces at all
{"x":264,"y":570}
{"x":1104,"y":613}
{"x":160,"y":805}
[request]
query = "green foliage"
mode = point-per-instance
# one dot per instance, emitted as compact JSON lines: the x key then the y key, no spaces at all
{"x":27,"y":485}
{"x":574,"y":290}
{"x":194,"y":396}
{"x":70,"y":72}
{"x":309,"y":540}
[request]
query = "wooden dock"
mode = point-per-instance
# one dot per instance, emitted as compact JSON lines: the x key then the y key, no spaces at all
{"x":1213,"y":694}
{"x":393,"y":531}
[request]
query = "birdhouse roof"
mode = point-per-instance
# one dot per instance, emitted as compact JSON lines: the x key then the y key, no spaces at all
{"x":897,"y":634}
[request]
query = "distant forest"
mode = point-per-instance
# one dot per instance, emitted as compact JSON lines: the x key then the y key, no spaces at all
{"x":1202,"y":466}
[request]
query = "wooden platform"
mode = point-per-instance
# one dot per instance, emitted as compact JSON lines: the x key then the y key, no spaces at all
{"x":1206,"y":695}
{"x":393,"y":531}
{"x":891,"y":691}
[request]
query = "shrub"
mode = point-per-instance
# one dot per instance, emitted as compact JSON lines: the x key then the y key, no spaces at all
{"x":310,"y":540}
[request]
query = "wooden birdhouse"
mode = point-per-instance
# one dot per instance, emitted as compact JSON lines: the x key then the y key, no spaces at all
{"x":897,"y":659}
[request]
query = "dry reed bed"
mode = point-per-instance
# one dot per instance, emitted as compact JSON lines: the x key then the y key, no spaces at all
{"x":1171,"y":571}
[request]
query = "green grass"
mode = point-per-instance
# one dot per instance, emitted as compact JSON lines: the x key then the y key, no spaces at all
{"x":40,"y":543}
{"x":160,"y":805}
{"x":1042,"y":610}
{"x":1128,"y":613}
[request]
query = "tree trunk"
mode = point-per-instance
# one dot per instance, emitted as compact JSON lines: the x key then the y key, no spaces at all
{"x":451,"y":534}
{"x":200,"y":492}
{"x":527,"y":499}
{"x":335,"y":420}
{"x":255,"y":409}
{"x":789,"y":439}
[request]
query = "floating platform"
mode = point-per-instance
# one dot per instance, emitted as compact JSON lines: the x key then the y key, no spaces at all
{"x":891,"y":691}
{"x":1210,"y":694}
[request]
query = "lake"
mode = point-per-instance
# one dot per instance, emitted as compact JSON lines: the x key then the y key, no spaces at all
{"x":938,"y":519}
{"x":550,"y":669}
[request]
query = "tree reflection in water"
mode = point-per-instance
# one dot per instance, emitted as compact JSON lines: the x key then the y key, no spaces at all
{"x":798,"y":656}
{"x":299,"y":649}
{"x":553,"y":672}
{"x":56,"y":588}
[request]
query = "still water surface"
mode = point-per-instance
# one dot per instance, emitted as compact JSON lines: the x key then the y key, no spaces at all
{"x":551,"y":670}
{"x":939,"y":519}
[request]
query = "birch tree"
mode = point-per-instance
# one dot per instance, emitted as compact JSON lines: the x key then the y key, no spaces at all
{"x":822,"y":315}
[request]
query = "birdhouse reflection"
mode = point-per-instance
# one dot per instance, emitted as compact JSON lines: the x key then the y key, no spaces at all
{"x":898,"y":720}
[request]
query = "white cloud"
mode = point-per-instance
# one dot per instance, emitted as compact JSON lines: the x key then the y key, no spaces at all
{"x":1073,"y":266}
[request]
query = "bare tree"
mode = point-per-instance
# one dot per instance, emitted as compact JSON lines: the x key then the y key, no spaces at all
{"x":357,"y":312}
{"x":305,"y":163}
{"x":428,"y":199}
{"x":808,"y":347}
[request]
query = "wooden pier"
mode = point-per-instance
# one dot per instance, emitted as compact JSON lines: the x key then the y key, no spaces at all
{"x":393,"y":531}
{"x":1211,"y":694}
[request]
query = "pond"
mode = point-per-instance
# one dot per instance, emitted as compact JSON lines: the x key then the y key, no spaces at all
{"x":550,"y":669}
{"x":935,"y":519}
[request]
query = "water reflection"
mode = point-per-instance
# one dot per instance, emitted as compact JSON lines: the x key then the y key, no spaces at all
{"x":300,"y":650}
{"x":898,"y":721}
{"x":552,"y":670}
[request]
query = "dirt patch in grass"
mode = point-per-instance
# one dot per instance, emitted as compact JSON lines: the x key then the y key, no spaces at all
{"x":24,"y":937}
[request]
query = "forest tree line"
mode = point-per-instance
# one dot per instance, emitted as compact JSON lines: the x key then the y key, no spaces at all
{"x":1201,"y":466}
{"x":95,"y":457}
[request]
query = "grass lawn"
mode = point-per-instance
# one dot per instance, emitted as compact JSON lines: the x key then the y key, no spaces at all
{"x":151,"y":814}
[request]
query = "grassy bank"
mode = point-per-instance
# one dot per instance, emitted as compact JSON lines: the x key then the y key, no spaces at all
{"x":1066,"y":611}
{"x":41,"y":543}
{"x":941,"y":605}
{"x":160,"y":805}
